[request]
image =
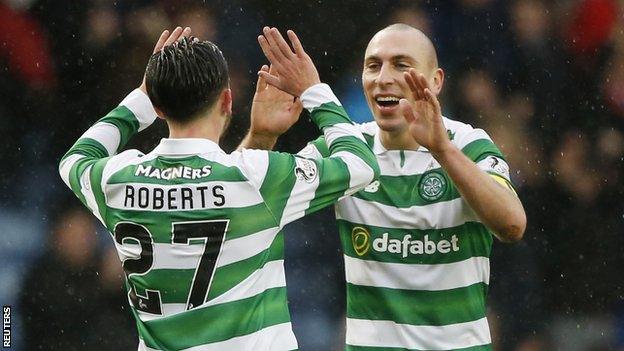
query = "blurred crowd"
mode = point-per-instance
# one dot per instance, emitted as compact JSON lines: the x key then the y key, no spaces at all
{"x":545,"y":79}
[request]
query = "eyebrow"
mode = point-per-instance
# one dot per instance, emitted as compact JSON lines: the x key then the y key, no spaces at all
{"x":393,"y":58}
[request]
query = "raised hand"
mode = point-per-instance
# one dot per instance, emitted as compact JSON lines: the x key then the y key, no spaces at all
{"x":424,"y":116}
{"x":167,"y":39}
{"x":295,"y":70}
{"x":273,"y":111}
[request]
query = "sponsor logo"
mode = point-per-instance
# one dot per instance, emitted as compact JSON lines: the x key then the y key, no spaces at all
{"x":173,"y":172}
{"x":432,"y":186}
{"x":361,"y":240}
{"x":305,"y":169}
{"x":407,"y":246}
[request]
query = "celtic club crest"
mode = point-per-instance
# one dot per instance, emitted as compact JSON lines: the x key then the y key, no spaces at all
{"x":432,"y":186}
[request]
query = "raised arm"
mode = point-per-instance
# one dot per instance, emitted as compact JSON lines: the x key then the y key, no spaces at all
{"x":489,"y":195}
{"x":82,"y":166}
{"x":293,"y":186}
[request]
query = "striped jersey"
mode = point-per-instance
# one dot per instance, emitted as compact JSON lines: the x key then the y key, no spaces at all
{"x":416,"y":255}
{"x":198,"y":231}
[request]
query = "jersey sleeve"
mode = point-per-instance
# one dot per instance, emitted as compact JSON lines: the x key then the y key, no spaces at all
{"x":480,"y":148}
{"x":82,"y":166}
{"x":293,"y":185}
{"x":315,"y":149}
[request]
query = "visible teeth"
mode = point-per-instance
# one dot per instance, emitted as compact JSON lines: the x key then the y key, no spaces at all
{"x":388,"y":98}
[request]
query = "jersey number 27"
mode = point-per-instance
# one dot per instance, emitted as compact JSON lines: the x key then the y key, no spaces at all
{"x":210,"y":233}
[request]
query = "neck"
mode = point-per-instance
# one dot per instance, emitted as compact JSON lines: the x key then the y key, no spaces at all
{"x":397,"y":140}
{"x":205,"y":127}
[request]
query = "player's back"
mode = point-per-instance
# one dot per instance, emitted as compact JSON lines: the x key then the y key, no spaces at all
{"x":202,"y":252}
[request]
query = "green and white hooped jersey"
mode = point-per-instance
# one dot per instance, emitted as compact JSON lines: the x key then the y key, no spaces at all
{"x":198,"y":231}
{"x":416,"y":255}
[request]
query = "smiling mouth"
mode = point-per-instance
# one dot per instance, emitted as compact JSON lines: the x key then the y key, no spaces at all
{"x":387,"y":101}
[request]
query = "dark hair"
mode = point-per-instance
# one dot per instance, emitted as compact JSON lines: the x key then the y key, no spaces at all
{"x":185,"y":78}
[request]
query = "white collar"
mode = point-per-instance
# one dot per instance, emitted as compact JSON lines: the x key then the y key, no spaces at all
{"x":379,"y":149}
{"x":185,"y":146}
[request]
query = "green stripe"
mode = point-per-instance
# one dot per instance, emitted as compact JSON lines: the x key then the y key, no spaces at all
{"x":404,"y":191}
{"x":355,"y":146}
{"x":227,"y":277}
{"x":480,"y":149}
{"x":243,"y":221}
{"x":321,"y":146}
{"x":174,"y":284}
{"x":278,"y":183}
{"x":75,"y":173}
{"x":216,"y":323}
{"x":125,"y":121}
{"x":92,"y":150}
{"x":370,"y":139}
{"x":333,"y":182}
{"x":473,"y":240}
{"x":218,"y":172}
{"x":96,"y":186}
{"x":417,"y":307}
{"x":88,"y":147}
{"x":329,"y":114}
{"x":373,"y":348}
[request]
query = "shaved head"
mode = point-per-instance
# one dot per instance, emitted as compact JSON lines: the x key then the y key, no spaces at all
{"x":390,"y":55}
{"x":413,"y":37}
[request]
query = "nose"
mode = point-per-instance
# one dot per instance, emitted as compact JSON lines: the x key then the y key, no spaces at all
{"x":385,"y":76}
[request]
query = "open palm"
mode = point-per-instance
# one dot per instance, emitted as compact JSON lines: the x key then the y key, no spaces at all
{"x":424,"y":115}
{"x":273,"y":111}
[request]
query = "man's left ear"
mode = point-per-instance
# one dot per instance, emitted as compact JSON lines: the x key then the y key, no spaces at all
{"x":159,"y":113}
{"x":226,"y":102}
{"x":438,"y":81}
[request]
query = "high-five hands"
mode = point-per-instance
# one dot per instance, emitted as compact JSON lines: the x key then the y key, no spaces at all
{"x":273,"y":111}
{"x":167,"y":39}
{"x":294,"y":68}
{"x":424,"y":116}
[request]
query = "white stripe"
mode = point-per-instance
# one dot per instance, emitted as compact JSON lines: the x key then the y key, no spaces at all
{"x":253,"y":163}
{"x":116,"y":196}
{"x":66,"y":166}
{"x":438,"y":215}
{"x":182,"y":256}
{"x":270,"y":276}
{"x":317,"y":95}
{"x":470,"y":136}
{"x":339,"y":130}
{"x":141,"y":106}
{"x":360,"y":173}
{"x":433,"y":277}
{"x":299,"y":199}
{"x":361,"y":332}
{"x":106,"y":134}
{"x":238,"y":249}
{"x":310,"y":151}
{"x":277,"y":337}
{"x":168,"y":309}
{"x":87,"y":192}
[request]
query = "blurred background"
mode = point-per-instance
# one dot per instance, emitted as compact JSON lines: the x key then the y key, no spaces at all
{"x":544,"y":78}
